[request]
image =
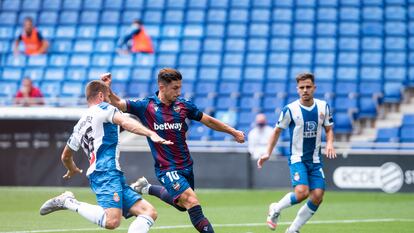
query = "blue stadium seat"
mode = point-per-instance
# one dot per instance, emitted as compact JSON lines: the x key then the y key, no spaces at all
{"x":343,"y":123}
{"x":48,"y":17}
{"x":275,"y":88}
{"x":60,"y":60}
{"x":83,"y":46}
{"x":89,"y":17}
{"x":281,"y":29}
{"x":6,"y":33}
{"x":166,"y":59}
{"x":348,"y":58}
{"x":260,"y":15}
{"x":153,"y":16}
{"x":56,"y":74}
{"x":5,"y":46}
{"x":8,"y":88}
{"x":193,"y":31}
{"x":325,"y":44}
{"x":349,"y":29}
{"x":355,"y":3}
{"x":187,"y":88}
{"x":10,"y":5}
{"x":134,"y":4}
{"x":347,"y":73}
{"x":370,"y":88}
{"x":86,"y":32}
{"x":371,"y":58}
{"x":367,"y":107}
{"x":123,"y":60}
{"x":282,"y":14}
{"x":246,"y":117}
{"x":68,"y":17}
{"x":229,"y":88}
{"x":204,"y":103}
{"x":33,"y":5}
{"x":50,"y":88}
{"x":325,"y":58}
{"x":63,"y":46}
{"x":233,"y":58}
{"x":189,"y":59}
{"x":216,"y":15}
{"x":76,"y":74}
{"x":395,"y":13}
{"x":257,"y":44}
{"x":145,"y":60}
{"x":303,"y":29}
{"x":406,"y":134}
{"x":120,"y":88}
{"x":372,"y":13}
{"x":256,"y":59}
{"x":345,"y":104}
{"x":371,"y":73}
{"x":155,"y":4}
{"x":231,"y":73}
{"x":250,"y":103}
{"x":281,"y":58}
{"x":280,"y":44}
{"x":408,"y":119}
{"x":272,"y":102}
{"x":395,"y":73}
{"x":138,"y":89}
{"x":171,"y":31}
{"x":174,"y":16}
{"x":142,"y":74}
{"x":191,"y":45}
{"x":239,"y":15}
{"x":110,"y":32}
{"x":327,"y":14}
{"x":12,"y":74}
{"x":259,"y":30}
{"x":301,"y":58}
{"x":129,"y":15}
{"x":344,"y":88}
{"x":16,"y":61}
{"x":24,"y":14}
{"x":395,"y":58}
{"x":209,"y":73}
{"x":371,"y":28}
{"x":213,"y":45}
{"x":113,"y":4}
{"x":349,"y":14}
{"x":188,"y":73}
{"x":72,"y":4}
{"x":80,"y":60}
{"x":121,"y":74}
{"x":305,"y":14}
{"x":388,"y":135}
{"x":92,"y":4}
{"x":211,"y":59}
{"x":106,"y":46}
{"x":195,"y":16}
{"x":205,"y":87}
{"x":254,"y":73}
{"x":48,"y":32}
{"x":395,"y":43}
{"x":110,"y":17}
{"x":372,"y":43}
{"x":325,"y":88}
{"x":326,"y":29}
{"x":39,"y":60}
{"x":240,"y":3}
{"x":303,"y":44}
{"x":252,"y":88}
{"x":8,"y":18}
{"x":66,"y":32}
{"x":35,"y":74}
{"x":95,"y":72}
{"x":226,"y":102}
{"x":169,"y":46}
{"x":349,"y":44}
{"x":72,"y":89}
{"x":393,"y":92}
{"x":198,"y":131}
{"x":325,"y":73}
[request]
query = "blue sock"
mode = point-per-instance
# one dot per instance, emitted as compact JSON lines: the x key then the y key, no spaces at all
{"x":312,"y":206}
{"x":161,"y":193}
{"x":200,"y":222}
{"x":293,"y":199}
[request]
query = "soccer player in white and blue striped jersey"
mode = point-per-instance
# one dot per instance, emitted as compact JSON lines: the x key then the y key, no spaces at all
{"x":304,"y":118}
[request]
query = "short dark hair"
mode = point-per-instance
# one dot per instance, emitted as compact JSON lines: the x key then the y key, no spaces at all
{"x":167,"y":75}
{"x":28,"y":18}
{"x":304,"y":76}
{"x":137,"y":21}
{"x":94,"y":87}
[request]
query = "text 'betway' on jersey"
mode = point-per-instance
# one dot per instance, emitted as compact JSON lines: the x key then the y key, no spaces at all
{"x":167,"y":126}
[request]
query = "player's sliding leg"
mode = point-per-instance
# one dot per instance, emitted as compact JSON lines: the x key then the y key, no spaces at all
{"x":275,"y":208}
{"x":66,"y":200}
{"x":142,"y":186}
{"x":146,"y":215}
{"x":307,"y":210}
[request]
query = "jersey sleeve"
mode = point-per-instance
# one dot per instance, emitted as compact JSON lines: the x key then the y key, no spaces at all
{"x":136,"y":107}
{"x":74,"y":141}
{"x":109,"y":113}
{"x":328,"y":116}
{"x":284,"y":118}
{"x":193,"y":112}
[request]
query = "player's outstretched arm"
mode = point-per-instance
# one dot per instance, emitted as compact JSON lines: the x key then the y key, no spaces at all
{"x":270,"y":146}
{"x":67,"y":160}
{"x":115,"y":100}
{"x":217,"y":125}
{"x":329,"y":150}
{"x":136,"y":127}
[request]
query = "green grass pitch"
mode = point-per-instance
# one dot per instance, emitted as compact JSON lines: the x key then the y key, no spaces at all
{"x":230,"y":211}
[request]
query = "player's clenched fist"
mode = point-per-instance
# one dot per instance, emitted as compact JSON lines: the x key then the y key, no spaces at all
{"x":107,"y":78}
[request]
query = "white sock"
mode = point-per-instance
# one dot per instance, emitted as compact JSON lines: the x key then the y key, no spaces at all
{"x":141,"y":224}
{"x":284,"y":203}
{"x":304,"y":214}
{"x":145,"y":189}
{"x":93,"y":213}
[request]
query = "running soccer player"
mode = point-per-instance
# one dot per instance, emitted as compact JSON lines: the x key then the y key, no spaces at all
{"x":165,"y":113}
{"x":97,"y":133}
{"x":305,"y":119}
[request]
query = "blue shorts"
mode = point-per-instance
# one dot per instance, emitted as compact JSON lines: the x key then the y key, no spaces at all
{"x":112,"y":191}
{"x":307,"y":173}
{"x":176,"y":182}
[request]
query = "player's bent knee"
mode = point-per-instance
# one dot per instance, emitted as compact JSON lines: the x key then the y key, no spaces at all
{"x":302,"y":194}
{"x":112,"y":224}
{"x":152,"y":212}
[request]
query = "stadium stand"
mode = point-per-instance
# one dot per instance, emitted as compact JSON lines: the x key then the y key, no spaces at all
{"x":234,"y":55}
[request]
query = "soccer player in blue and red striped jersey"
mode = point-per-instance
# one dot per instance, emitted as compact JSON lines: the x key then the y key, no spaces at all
{"x":166,"y":113}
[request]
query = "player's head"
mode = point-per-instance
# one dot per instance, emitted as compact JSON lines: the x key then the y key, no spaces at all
{"x":96,"y":92}
{"x":137,"y":22}
{"x":169,"y":83}
{"x":261,"y":120}
{"x":28,"y":24}
{"x":305,"y":86}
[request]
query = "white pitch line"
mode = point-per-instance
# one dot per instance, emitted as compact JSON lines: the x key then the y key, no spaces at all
{"x":229,"y":225}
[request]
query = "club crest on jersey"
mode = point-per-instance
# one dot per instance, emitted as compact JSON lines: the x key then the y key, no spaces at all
{"x":176,"y":186}
{"x":116,"y":197}
{"x":177,"y":108}
{"x":296,"y":177}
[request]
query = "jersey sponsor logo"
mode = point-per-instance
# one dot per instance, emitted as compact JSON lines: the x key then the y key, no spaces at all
{"x":116,"y":197}
{"x":310,"y":129}
{"x":167,"y":126}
